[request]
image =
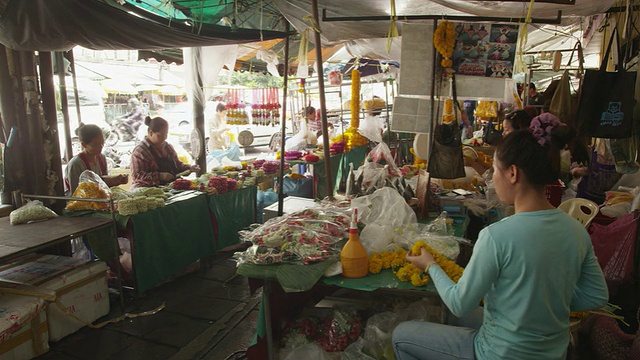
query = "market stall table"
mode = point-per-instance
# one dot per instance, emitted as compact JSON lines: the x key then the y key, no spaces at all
{"x":287,"y":276}
{"x":232,"y":212}
{"x":319,"y":173}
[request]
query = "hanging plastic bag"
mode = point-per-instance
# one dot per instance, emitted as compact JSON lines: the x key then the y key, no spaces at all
{"x":562,"y":104}
{"x":371,"y":128}
{"x":32,"y":211}
{"x":90,"y":186}
{"x":613,"y":245}
{"x":379,"y":157}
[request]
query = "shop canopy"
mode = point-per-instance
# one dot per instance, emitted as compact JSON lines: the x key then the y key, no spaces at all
{"x":42,"y":25}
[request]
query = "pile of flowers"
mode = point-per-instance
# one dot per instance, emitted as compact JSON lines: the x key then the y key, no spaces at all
{"x":406,"y":271}
{"x":302,"y":237}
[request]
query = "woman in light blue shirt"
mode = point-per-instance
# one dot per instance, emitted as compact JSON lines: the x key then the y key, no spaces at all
{"x":532,"y":268}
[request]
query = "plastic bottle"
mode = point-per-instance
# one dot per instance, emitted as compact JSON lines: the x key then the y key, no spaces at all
{"x":354,"y":258}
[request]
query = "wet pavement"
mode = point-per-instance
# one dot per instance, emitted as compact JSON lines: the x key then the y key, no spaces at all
{"x":208,"y":314}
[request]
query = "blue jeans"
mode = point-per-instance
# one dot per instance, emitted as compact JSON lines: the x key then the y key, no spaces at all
{"x":414,"y":340}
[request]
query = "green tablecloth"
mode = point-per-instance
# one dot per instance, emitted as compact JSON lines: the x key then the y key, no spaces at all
{"x":170,"y":238}
{"x":232,"y":212}
{"x":320,"y":183}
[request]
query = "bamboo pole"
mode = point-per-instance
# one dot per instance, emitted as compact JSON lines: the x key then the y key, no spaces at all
{"x":284,"y":122}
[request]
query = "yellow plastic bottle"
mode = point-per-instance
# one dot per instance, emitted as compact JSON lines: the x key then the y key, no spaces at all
{"x":353,"y":257}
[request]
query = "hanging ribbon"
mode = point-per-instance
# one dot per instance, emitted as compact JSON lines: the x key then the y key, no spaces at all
{"x":523,"y":38}
{"x":303,"y":71}
{"x":393,"y":28}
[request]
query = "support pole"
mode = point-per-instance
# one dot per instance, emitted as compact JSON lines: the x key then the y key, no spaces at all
{"x":323,"y":103}
{"x":284,"y":122}
{"x":64,"y":102}
{"x":76,"y":97}
{"x":51,"y":120}
{"x":198,"y":107}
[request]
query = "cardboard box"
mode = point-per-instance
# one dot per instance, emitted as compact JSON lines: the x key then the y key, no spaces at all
{"x":23,"y":327}
{"x":80,"y":287}
{"x":289,"y":204}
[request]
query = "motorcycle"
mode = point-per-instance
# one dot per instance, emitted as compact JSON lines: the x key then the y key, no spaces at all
{"x":122,"y":130}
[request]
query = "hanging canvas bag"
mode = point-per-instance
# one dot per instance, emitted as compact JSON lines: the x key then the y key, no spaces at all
{"x":607,"y":98}
{"x":446,"y":160}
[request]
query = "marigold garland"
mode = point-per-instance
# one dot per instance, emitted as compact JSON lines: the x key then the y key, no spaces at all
{"x":406,"y":271}
{"x":444,"y":38}
{"x":351,"y":137}
{"x":355,"y":99}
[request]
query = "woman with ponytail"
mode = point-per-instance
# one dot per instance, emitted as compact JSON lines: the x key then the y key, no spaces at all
{"x":532,"y":268}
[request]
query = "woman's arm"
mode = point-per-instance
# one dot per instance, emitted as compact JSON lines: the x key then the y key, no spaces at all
{"x":74,"y":168}
{"x":173,"y":155}
{"x":483,"y":269}
{"x":591,"y":290}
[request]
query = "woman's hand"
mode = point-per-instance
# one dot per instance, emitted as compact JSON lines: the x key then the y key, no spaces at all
{"x":165,"y":177}
{"x":123,"y":179}
{"x":195,"y":168}
{"x":421,"y":261}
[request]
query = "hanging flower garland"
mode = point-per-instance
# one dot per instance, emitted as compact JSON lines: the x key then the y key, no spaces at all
{"x":355,"y":99}
{"x":444,"y":39}
{"x":351,"y":137}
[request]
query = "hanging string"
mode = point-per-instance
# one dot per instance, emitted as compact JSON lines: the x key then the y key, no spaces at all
{"x":523,"y":38}
{"x":393,"y":28}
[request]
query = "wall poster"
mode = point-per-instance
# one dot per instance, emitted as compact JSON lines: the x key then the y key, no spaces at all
{"x":485,"y":49}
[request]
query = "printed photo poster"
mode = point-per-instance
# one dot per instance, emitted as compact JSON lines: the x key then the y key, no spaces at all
{"x":485,"y":49}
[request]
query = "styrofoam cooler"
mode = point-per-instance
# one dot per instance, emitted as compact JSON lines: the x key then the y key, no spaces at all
{"x":23,"y":327}
{"x":84,"y":292}
{"x":80,"y":286}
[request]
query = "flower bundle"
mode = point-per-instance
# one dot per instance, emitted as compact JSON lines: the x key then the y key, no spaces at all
{"x":444,"y":38}
{"x":541,"y":127}
{"x":302,"y":237}
{"x":88,"y":190}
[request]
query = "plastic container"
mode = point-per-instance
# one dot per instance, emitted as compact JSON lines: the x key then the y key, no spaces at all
{"x":353,"y":257}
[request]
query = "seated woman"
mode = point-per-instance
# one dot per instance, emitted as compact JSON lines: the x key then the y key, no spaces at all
{"x":154,"y":161}
{"x":91,"y":158}
{"x":515,"y":268}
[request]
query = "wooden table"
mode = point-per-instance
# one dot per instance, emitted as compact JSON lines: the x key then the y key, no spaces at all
{"x":23,"y":239}
{"x":19,"y":240}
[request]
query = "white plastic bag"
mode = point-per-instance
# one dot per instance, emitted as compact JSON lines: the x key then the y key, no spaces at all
{"x":384,"y":207}
{"x":371,"y":128}
{"x":310,"y":351}
{"x":32,"y":211}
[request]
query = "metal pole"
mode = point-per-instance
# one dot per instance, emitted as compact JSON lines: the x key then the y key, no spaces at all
{"x":68,"y":153}
{"x":284,"y":122}
{"x":198,"y":107}
{"x":323,"y":104}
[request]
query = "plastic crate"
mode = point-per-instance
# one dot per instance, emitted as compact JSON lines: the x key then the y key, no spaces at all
{"x":554,"y":193}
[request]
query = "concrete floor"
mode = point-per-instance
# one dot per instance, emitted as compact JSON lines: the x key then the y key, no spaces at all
{"x":209,"y":314}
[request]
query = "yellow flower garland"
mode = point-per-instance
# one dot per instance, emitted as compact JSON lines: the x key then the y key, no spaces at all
{"x":352,"y":137}
{"x":355,"y":99}
{"x":444,"y":38}
{"x":406,"y":271}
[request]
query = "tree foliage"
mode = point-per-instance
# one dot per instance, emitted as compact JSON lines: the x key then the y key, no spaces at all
{"x":251,"y":79}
